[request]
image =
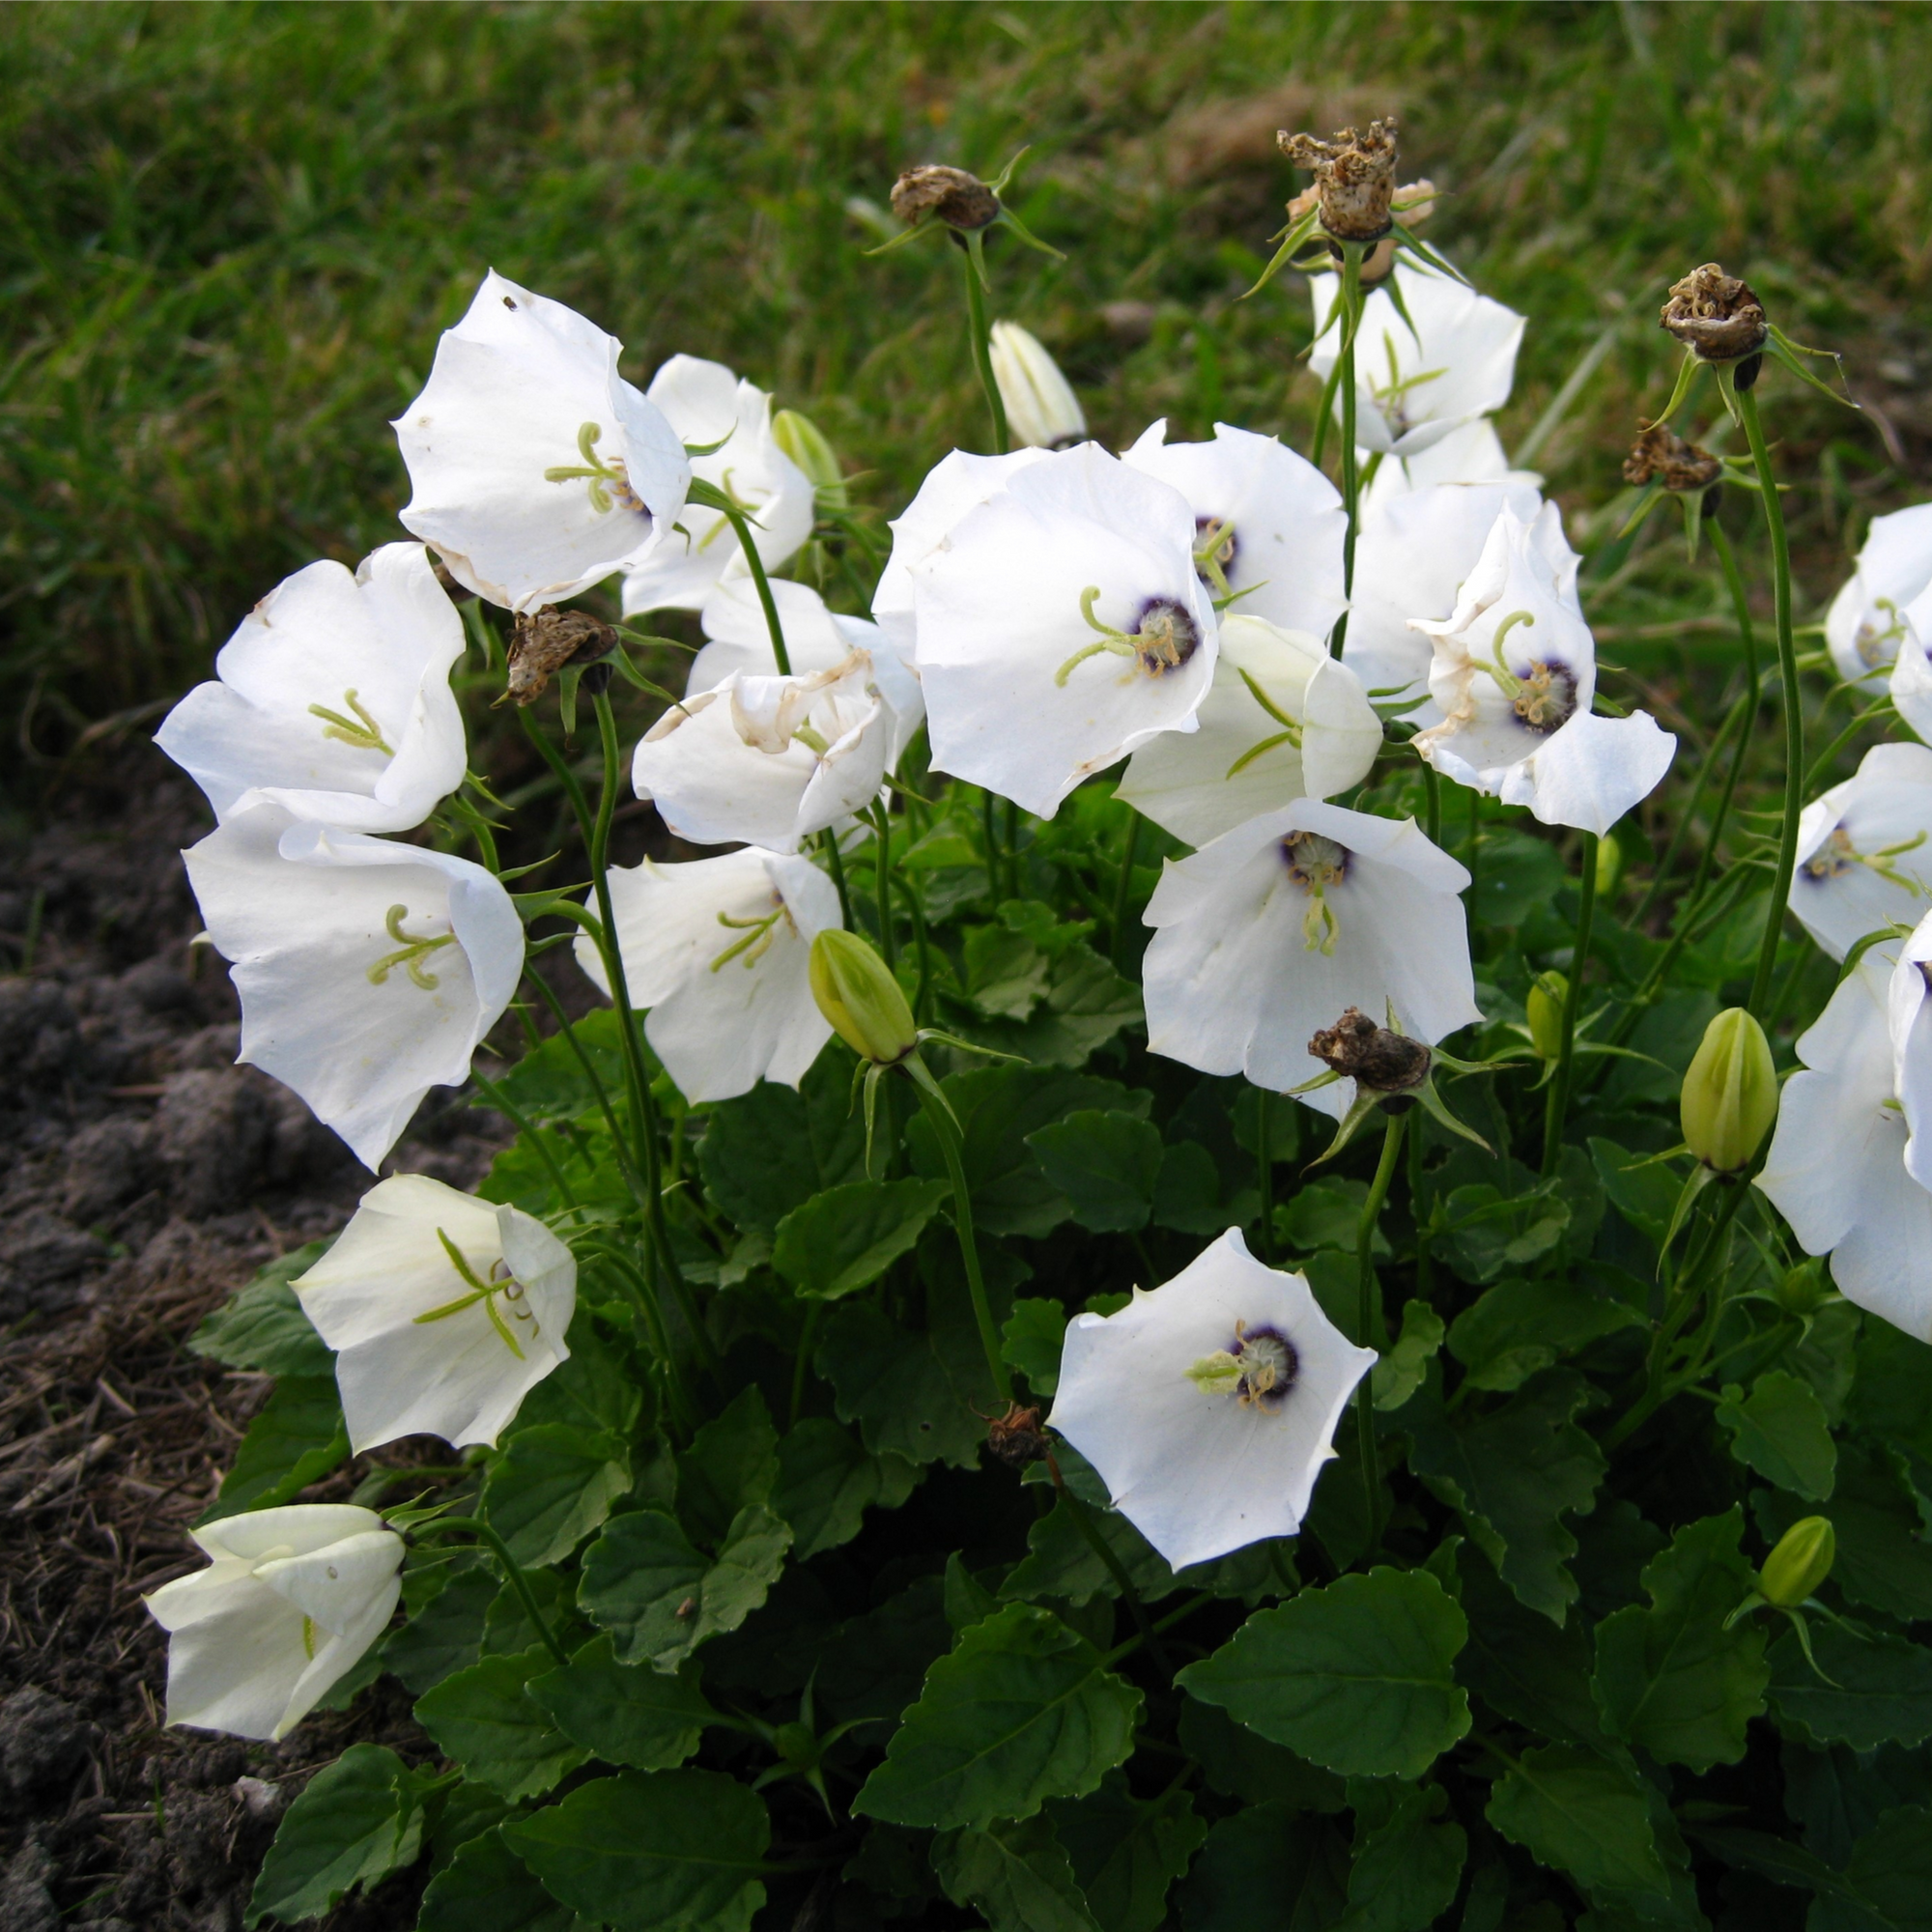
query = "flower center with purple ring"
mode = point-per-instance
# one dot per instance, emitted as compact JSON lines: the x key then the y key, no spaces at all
{"x":1164,"y":637}
{"x":1548,"y":696}
{"x":1314,"y":862}
{"x":1226,"y":549}
{"x":1269,"y":1365}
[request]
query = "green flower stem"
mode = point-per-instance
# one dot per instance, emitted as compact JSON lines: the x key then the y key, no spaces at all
{"x":1423,"y":1270}
{"x":800,"y":1361}
{"x":835,"y":861}
{"x":514,"y":1570}
{"x":755,"y":564}
{"x":1089,"y":1531}
{"x":1013,"y":843}
{"x":1794,"y":716}
{"x":1365,"y":1320}
{"x":882,"y":867}
{"x":922,"y":1002}
{"x":633,"y":1175}
{"x":1345,"y":365}
{"x":526,"y":1126}
{"x":645,"y":1295}
{"x":1432,"y":795}
{"x":1558,"y":1101}
{"x":1124,"y":891}
{"x":1265,"y":1167}
{"x":989,"y":823}
{"x":972,"y":260}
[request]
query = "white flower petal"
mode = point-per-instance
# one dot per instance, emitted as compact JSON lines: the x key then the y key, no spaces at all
{"x":1592,"y":771}
{"x":1894,"y":567}
{"x":1042,"y":412}
{"x":1470,"y":454}
{"x":1865,"y":852}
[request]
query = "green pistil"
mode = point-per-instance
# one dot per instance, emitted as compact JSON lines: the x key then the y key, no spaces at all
{"x":308,"y":1638}
{"x":410,"y":952}
{"x":1289,"y":734}
{"x":485,"y":1292}
{"x":365,"y":735}
{"x":608,"y":481}
{"x":757,"y":942}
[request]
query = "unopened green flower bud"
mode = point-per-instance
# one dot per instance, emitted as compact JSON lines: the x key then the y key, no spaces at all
{"x":857,"y":993}
{"x":805,"y":443}
{"x":1609,"y":866}
{"x":1730,"y":1093}
{"x":1804,"y":1287}
{"x":1041,"y":409}
{"x":1801,"y":1562}
{"x":1547,"y":994}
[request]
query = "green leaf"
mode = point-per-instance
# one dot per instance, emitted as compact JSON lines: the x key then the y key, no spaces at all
{"x":1266,"y":1870}
{"x":1489,"y":1231}
{"x":1236,"y":1761}
{"x":507,"y":1626}
{"x":1031,"y":1340}
{"x":666,"y":1850}
{"x":826,"y":1480}
{"x":1642,"y":1191}
{"x":595,"y":1388}
{"x":1006,"y":972}
{"x":1107,"y":1165}
{"x":874,"y":1665}
{"x":845,"y":1238}
{"x":1359,"y":1676}
{"x":1780,"y":1430}
{"x":1125,"y":1850}
{"x":1401,"y":1371}
{"x":1577,"y":1812}
{"x":733,"y":1465}
{"x":1890,"y":1871}
{"x":1671,"y":1678}
{"x":551,"y":1485}
{"x":1517,"y":874}
{"x":1882,"y":1561}
{"x":1891,"y":1396}
{"x":1021,"y":1711}
{"x":1880,"y":1689}
{"x":1087,"y":1003}
{"x":1062,"y":1563}
{"x":660,"y":1598}
{"x":912,"y":1396}
{"x":770,"y":1151}
{"x":444,"y":1636}
{"x":1328,"y":1214}
{"x":265,"y":1326}
{"x":1519,"y":1328}
{"x":622,"y":1713}
{"x":296,"y":1438}
{"x":1522,"y":1665}
{"x":549,"y":1082}
{"x":486,"y":1887}
{"x":1188,"y":1195}
{"x":481,"y":1720}
{"x":1406,"y":1871}
{"x":1016,"y":1875}
{"x":357,"y":1821}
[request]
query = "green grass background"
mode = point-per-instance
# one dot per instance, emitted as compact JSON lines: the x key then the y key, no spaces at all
{"x":230,"y":234}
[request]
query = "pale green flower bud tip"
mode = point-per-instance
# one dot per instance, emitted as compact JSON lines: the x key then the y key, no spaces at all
{"x":1730,"y":1093}
{"x":1801,"y":1562}
{"x":1547,"y":994}
{"x":805,"y":444}
{"x":860,"y":997}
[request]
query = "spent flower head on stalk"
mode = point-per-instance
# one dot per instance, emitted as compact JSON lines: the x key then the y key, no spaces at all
{"x":934,"y":196}
{"x":1354,"y":178}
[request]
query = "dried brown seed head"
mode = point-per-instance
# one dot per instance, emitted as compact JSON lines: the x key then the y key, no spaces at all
{"x":1714,"y":315}
{"x":1372,"y":1056}
{"x":951,"y":195}
{"x":1413,"y":202}
{"x":1659,"y":452}
{"x":1016,"y":1436}
{"x":1354,"y":177}
{"x":543,"y":643}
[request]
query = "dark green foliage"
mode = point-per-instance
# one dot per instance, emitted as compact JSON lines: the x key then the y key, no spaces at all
{"x":297,"y":1438}
{"x":357,"y":1821}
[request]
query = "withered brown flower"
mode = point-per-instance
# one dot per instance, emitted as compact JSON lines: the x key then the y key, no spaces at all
{"x":1374,"y":1057}
{"x":959,"y":199}
{"x":1659,"y":452}
{"x":1354,"y":177}
{"x":543,"y":643}
{"x":1714,"y":315}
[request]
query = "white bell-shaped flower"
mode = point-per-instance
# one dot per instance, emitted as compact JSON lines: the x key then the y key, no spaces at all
{"x":1267,"y":525}
{"x":1042,"y":412}
{"x":333,"y":699}
{"x":1866,"y":623}
{"x":1836,"y":1167}
{"x":1061,"y":625}
{"x":1282,"y":720}
{"x":1908,"y":1014}
{"x":1908,"y":683}
{"x":768,"y":761}
{"x":720,"y":950}
{"x":369,"y":972}
{"x":705,"y":403}
{"x":1412,"y":389}
{"x":290,"y":1601}
{"x":1208,"y":1406}
{"x":1865,"y":852}
{"x":537,"y":470}
{"x":1515,"y":673}
{"x":1417,"y":550}
{"x":444,"y":1312}
{"x":1471,"y":454}
{"x":1269,"y":933}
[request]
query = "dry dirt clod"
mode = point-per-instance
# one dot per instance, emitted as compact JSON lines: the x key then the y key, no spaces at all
{"x":1374,"y":1057}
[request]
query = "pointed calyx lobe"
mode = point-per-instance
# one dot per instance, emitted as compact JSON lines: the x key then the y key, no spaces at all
{"x":1374,"y":1057}
{"x":1354,"y":177}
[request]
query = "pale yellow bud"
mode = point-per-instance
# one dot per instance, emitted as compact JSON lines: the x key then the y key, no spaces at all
{"x":1801,"y":1562}
{"x":1730,"y":1093}
{"x":1547,"y":994}
{"x":857,"y":993}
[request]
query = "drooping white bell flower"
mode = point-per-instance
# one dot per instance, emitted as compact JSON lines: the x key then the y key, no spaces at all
{"x":1515,"y":673}
{"x":816,"y":639}
{"x":537,"y":469}
{"x":1415,"y":552}
{"x":369,"y":972}
{"x":1865,"y":852}
{"x":1282,"y":720}
{"x":444,"y":1312}
{"x":290,"y":1601}
{"x":1411,"y":391}
{"x":1208,"y":1406}
{"x":1864,"y":625}
{"x":1042,"y":412}
{"x":720,"y":950}
{"x":1267,"y":934}
{"x":1836,"y":1167}
{"x":333,"y":699}
{"x":1909,"y":684}
{"x":1471,"y":454}
{"x":1268,"y":524}
{"x":1908,"y":1014}
{"x":1061,"y":625}
{"x":705,"y":403}
{"x":768,"y":761}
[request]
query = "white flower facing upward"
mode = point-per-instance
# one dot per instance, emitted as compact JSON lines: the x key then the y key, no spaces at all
{"x":1865,"y":852}
{"x":1267,"y":525}
{"x":368,"y":970}
{"x":1865,"y":624}
{"x":290,"y":1601}
{"x":537,"y":469}
{"x":1412,"y":390}
{"x":768,"y":761}
{"x":1282,"y":720}
{"x":1059,"y":625}
{"x":1837,"y":1169}
{"x":1264,"y":936}
{"x":1208,"y":1406}
{"x":333,"y":699}
{"x":719,"y":950}
{"x":705,"y":403}
{"x":1042,"y":412}
{"x":444,"y":1312}
{"x":1515,"y":673}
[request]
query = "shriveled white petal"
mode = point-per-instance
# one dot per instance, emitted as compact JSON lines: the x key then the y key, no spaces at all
{"x":719,"y":950}
{"x":333,"y":699}
{"x":516,"y":387}
{"x":309,"y":919}
{"x":1283,"y":520}
{"x":1862,"y":628}
{"x":1000,"y":627}
{"x":1201,"y":1474}
{"x":1865,"y":852}
{"x":1472,"y":453}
